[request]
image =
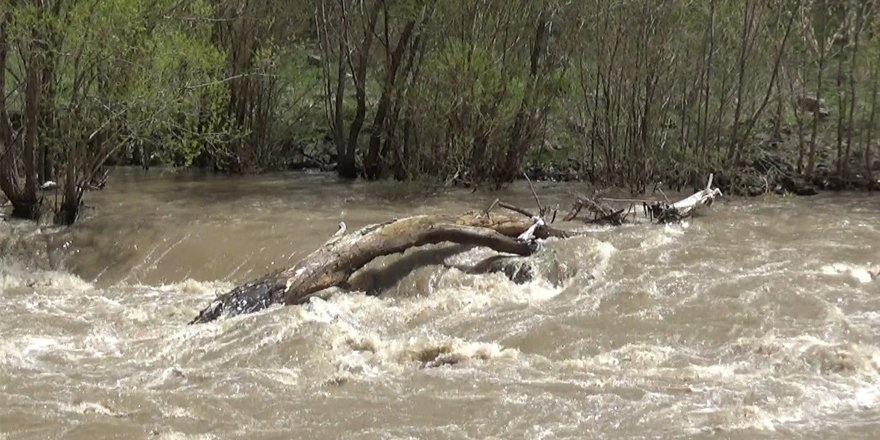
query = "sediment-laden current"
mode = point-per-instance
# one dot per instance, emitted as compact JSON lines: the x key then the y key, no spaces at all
{"x":757,"y":319}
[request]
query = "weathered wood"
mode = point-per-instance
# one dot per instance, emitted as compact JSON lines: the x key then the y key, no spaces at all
{"x":666,"y":213}
{"x":602,"y":213}
{"x":334,"y":262}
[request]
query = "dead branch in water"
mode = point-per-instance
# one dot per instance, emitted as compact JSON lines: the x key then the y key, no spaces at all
{"x":543,"y":211}
{"x":659,"y":211}
{"x":333,"y":263}
{"x":602,"y":213}
{"x":663,"y":212}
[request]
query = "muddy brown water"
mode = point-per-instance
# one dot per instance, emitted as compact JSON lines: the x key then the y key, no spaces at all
{"x":756,"y":320}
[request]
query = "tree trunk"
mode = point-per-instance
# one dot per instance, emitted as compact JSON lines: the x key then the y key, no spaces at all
{"x":5,"y":127}
{"x":333,"y":263}
{"x":344,"y":158}
{"x":841,"y":118}
{"x":359,"y":74}
{"x":334,"y":100}
{"x":811,"y":155}
{"x":707,"y":83}
{"x":48,"y":47}
{"x":67,"y":213}
{"x":372,"y":160}
{"x":748,"y":25}
{"x":777,"y":61}
{"x":857,"y":31}
{"x":26,"y":204}
{"x":523,"y":130}
{"x":8,"y":180}
{"x":869,"y":136}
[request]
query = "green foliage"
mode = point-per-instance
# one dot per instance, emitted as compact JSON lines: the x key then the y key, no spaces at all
{"x":299,"y":114}
{"x":178,"y":93}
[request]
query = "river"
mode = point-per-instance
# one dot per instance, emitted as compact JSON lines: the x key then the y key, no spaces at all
{"x":758,"y":319}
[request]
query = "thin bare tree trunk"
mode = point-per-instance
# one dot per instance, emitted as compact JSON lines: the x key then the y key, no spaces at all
{"x":359,"y":75}
{"x":841,"y":117}
{"x":704,"y":131}
{"x":27,"y":206}
{"x":5,"y":127}
{"x":811,"y":156}
{"x":777,"y":62}
{"x":748,"y":25}
{"x":872,"y":120}
{"x":857,"y":30}
{"x":524,"y":126}
{"x":372,"y":160}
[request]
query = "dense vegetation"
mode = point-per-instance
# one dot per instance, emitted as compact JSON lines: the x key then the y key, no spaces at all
{"x":623,"y":92}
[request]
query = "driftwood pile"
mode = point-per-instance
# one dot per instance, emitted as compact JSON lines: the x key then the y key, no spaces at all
{"x":664,"y":212}
{"x":602,"y":213}
{"x":334,"y":263}
{"x":657,"y":211}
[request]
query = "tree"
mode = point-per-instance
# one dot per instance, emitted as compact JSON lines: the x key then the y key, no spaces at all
{"x":121,"y":73}
{"x":21,"y":28}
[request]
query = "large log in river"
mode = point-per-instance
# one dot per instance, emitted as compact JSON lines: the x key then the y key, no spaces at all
{"x":333,"y":263}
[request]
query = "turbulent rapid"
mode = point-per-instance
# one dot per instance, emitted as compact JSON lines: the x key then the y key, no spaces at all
{"x":757,"y":319}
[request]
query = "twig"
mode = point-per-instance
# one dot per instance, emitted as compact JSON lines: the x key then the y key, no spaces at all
{"x":663,"y":194}
{"x":516,"y":209}
{"x":611,"y":199}
{"x":538,"y":201}
{"x":492,"y":206}
{"x":227,"y":79}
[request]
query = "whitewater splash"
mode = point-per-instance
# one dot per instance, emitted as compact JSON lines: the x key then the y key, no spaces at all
{"x":861,"y":273}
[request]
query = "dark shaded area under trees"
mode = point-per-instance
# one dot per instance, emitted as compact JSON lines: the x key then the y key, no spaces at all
{"x":769,"y":95}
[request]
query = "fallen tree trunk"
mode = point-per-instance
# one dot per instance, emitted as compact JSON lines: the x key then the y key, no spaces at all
{"x":334,"y":262}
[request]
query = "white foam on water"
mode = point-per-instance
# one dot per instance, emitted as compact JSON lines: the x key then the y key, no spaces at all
{"x":87,"y":408}
{"x":193,"y":287}
{"x":479,"y":291}
{"x":15,"y":276}
{"x":771,"y":382}
{"x":183,"y":436}
{"x":10,"y":281}
{"x":368,"y":338}
{"x":635,"y":356}
{"x":286,"y":376}
{"x":867,"y":396}
{"x":661,"y":236}
{"x":30,"y":348}
{"x":860,"y":273}
{"x":102,"y":343}
{"x":740,"y":417}
{"x":604,"y":252}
